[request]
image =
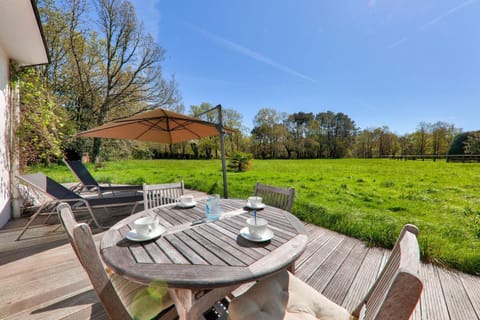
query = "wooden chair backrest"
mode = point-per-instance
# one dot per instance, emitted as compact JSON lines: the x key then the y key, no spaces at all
{"x":397,"y":290}
{"x":81,"y":239}
{"x":274,"y":196}
{"x":155,"y":195}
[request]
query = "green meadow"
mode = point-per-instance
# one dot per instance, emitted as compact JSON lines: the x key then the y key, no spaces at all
{"x":367,"y":199}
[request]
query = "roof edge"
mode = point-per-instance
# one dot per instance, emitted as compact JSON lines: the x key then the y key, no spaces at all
{"x":42,"y":34}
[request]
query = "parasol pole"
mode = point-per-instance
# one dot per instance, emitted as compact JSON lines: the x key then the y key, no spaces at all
{"x":221,"y":131}
{"x":222,"y":148}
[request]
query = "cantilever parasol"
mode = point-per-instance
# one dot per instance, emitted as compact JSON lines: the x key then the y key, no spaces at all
{"x":164,"y":126}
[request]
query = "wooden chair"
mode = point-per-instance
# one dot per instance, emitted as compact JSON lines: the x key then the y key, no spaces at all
{"x":155,"y":195}
{"x":274,"y":196}
{"x":393,"y":296}
{"x":122,"y":299}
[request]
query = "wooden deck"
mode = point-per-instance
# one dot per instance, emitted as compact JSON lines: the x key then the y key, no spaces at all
{"x":41,"y":278}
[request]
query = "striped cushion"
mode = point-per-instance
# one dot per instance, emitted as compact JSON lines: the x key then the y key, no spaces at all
{"x":143,"y":302}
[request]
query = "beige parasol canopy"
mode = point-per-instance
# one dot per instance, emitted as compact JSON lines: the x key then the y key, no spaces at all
{"x":159,"y":125}
{"x":164,"y":126}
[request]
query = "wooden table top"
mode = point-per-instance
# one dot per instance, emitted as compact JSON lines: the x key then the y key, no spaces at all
{"x":206,"y":255}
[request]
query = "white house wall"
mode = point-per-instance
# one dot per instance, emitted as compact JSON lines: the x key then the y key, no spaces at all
{"x":5,"y":210}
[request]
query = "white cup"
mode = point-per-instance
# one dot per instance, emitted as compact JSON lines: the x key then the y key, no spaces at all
{"x":187,"y":199}
{"x":254,"y":201}
{"x":257,"y":229}
{"x":145,"y":225}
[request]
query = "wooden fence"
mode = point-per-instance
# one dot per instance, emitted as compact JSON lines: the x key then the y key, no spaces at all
{"x":435,"y":157}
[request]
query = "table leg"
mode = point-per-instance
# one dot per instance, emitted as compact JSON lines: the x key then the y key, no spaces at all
{"x":190,"y":305}
{"x":291,"y":268}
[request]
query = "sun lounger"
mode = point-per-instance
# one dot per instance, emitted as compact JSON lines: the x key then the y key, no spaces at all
{"x":56,"y":193}
{"x":88,"y":182}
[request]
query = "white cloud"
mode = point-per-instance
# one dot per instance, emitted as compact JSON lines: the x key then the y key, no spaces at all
{"x":398,"y":43}
{"x":251,"y":54}
{"x":446,"y":14}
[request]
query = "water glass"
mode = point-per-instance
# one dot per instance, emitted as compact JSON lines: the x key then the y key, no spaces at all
{"x":212,"y":208}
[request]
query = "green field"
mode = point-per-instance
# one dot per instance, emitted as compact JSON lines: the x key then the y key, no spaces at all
{"x":367,"y":199}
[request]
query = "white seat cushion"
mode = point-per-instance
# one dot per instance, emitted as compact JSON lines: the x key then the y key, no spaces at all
{"x":283,"y":296}
{"x":143,"y":302}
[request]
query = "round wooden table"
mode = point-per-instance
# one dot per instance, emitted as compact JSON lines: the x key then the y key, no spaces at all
{"x":191,"y":257}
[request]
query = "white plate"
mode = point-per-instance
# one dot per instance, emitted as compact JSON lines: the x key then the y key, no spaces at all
{"x":268,"y":235}
{"x":134,"y":236}
{"x":258,"y":206}
{"x":186,"y":205}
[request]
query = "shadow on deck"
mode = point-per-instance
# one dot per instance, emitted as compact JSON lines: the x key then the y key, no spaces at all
{"x":42,"y":279}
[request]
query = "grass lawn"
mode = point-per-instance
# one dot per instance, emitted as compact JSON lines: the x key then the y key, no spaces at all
{"x":367,"y":199}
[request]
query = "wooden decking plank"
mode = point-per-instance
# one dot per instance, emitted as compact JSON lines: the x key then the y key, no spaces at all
{"x":340,"y":284}
{"x":54,"y":305}
{"x":432,"y":301}
{"x":91,"y":312}
{"x":364,"y":279}
{"x":16,"y":303}
{"x":37,"y":287}
{"x":325,"y":272}
{"x":472,"y":287}
{"x":315,"y":242}
{"x":417,"y":313}
{"x":305,"y":270}
{"x":458,"y":304}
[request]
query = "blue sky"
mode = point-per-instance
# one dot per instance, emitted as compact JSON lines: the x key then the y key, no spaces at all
{"x":389,"y":63}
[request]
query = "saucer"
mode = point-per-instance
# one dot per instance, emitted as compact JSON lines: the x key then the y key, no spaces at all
{"x":187,"y":204}
{"x":258,"y":206}
{"x":134,"y":236}
{"x":267,"y":235}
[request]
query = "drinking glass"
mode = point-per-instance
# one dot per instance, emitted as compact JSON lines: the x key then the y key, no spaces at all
{"x":212,"y":208}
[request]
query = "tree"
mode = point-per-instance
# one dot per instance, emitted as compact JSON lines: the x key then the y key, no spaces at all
{"x":211,"y":145}
{"x":233,"y":120}
{"x":472,"y":144}
{"x":268,"y":133}
{"x":442,"y":135}
{"x":299,"y":125}
{"x":364,"y":144}
{"x":108,"y":69}
{"x":422,"y":137}
{"x":387,"y":142}
{"x":336,"y":133}
{"x":406,"y":144}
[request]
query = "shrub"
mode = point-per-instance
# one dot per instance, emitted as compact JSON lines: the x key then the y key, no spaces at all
{"x":240,"y":161}
{"x":460,"y":141}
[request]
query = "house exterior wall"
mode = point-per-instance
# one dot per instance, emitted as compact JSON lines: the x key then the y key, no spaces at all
{"x":5,"y":208}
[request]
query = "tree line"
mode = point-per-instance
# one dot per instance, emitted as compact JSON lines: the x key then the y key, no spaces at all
{"x":105,"y":66}
{"x":335,"y":135}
